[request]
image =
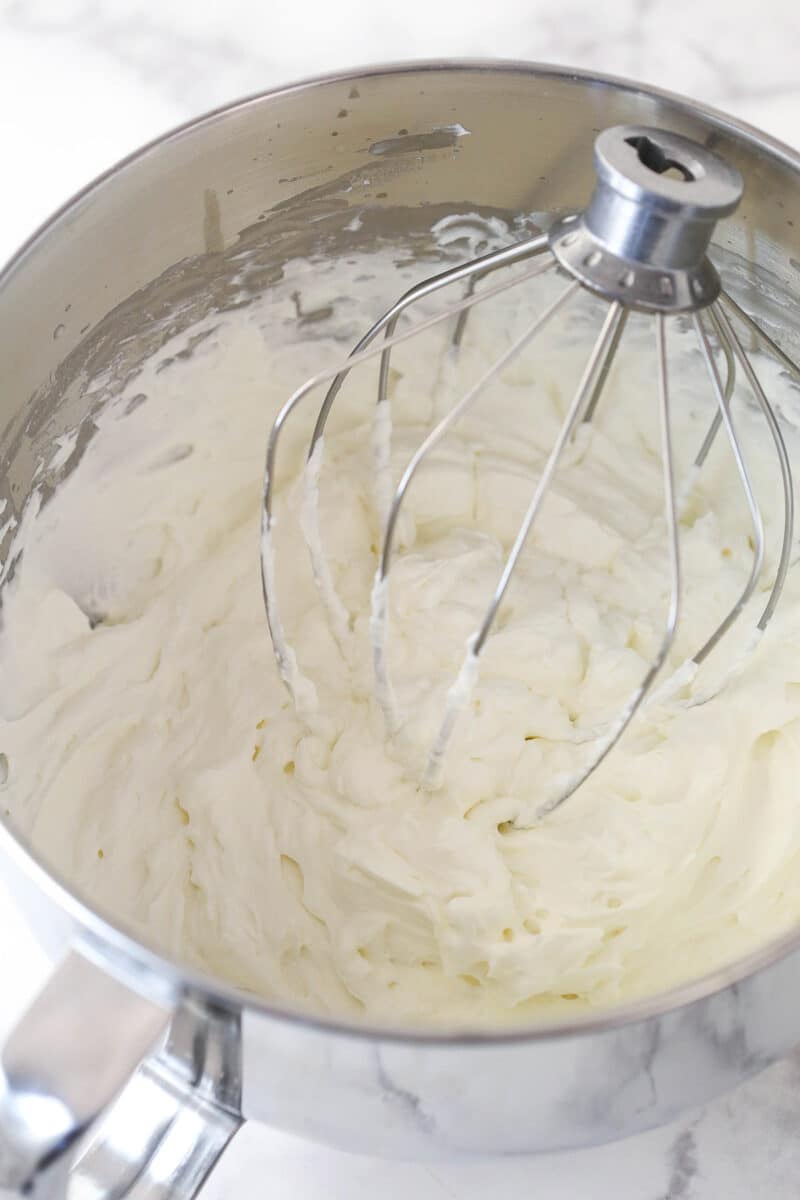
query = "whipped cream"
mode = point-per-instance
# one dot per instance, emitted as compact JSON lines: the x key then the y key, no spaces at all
{"x":157,"y":761}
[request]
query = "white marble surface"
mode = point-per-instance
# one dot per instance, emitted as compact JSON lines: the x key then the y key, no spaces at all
{"x":83,"y":82}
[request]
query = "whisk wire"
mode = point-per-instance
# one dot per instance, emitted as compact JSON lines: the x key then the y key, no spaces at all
{"x":463,"y":317}
{"x":752,"y":503}
{"x":728,"y":334}
{"x":594,"y":368}
{"x":606,"y":742}
{"x":605,"y":369}
{"x":716,"y":422}
{"x":459,"y":694}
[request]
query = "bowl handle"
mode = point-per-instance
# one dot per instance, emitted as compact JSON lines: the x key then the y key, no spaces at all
{"x":99,"y":1083}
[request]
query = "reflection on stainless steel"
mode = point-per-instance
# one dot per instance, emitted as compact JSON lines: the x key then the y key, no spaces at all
{"x":175,"y":1116}
{"x":66,"y":1060}
{"x":128,"y":259}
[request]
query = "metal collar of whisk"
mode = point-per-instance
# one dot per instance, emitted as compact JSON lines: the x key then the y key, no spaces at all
{"x":643,"y":237}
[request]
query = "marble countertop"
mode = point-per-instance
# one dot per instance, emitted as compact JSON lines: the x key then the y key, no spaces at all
{"x":83,"y":82}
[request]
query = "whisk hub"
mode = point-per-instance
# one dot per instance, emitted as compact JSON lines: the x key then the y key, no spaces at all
{"x":643,"y":237}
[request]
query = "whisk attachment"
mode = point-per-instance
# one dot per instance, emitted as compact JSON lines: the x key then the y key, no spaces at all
{"x":641,"y":244}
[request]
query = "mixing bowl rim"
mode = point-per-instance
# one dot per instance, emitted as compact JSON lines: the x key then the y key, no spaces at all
{"x":116,"y":946}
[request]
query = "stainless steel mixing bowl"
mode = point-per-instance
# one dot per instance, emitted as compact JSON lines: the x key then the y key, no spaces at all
{"x":141,"y":253}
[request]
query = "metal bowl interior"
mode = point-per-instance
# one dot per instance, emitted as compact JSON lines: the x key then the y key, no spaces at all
{"x":151,"y":246}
